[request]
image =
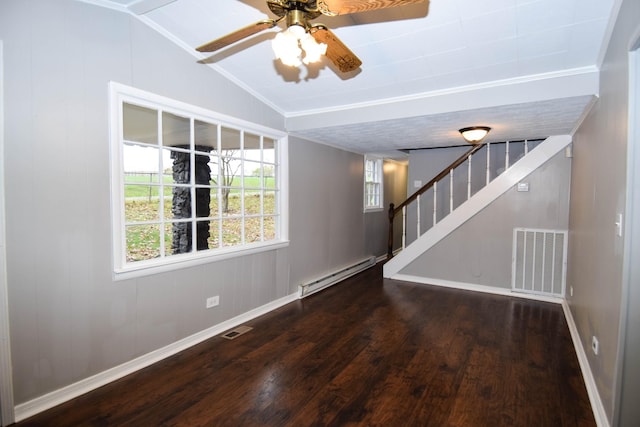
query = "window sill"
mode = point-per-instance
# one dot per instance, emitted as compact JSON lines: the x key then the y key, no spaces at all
{"x":146,"y":268}
{"x":371,"y":210}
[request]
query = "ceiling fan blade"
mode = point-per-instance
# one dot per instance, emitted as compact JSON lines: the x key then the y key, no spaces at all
{"x":337,"y":52}
{"x":237,"y":35}
{"x":343,"y":7}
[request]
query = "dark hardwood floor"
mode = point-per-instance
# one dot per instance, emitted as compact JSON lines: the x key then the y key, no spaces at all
{"x":366,"y":352}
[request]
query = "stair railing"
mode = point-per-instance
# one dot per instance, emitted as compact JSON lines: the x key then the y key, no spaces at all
{"x":433,"y":183}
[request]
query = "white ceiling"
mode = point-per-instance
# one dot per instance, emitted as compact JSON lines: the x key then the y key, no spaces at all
{"x":527,"y":68}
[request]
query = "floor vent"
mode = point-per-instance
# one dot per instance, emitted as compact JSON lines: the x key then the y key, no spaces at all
{"x":235,"y":333}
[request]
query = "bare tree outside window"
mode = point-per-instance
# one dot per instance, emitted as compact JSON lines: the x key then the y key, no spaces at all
{"x":230,"y":166}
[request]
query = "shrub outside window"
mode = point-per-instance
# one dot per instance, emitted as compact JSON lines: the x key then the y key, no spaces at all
{"x":189,"y":184}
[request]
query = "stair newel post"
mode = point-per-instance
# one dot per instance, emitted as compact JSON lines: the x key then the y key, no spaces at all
{"x":390,"y":241}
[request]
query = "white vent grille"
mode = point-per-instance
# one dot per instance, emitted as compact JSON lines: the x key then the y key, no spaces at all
{"x":539,"y":261}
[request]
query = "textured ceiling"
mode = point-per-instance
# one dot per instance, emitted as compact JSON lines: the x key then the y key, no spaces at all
{"x":510,"y":122}
{"x":527,"y":68}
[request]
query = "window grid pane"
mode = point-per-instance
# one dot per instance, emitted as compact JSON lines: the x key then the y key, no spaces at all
{"x":373,"y":183}
{"x":191,"y":185}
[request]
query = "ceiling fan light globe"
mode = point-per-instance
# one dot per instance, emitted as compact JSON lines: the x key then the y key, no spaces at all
{"x":313,"y":50}
{"x":297,"y":31}
{"x":285,"y":46}
{"x":291,"y":60}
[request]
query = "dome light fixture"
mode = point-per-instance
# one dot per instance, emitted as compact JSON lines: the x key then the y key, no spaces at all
{"x":474,"y":134}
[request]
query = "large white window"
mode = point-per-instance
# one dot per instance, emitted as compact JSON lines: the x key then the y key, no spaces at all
{"x":189,"y":184}
{"x":373,"y":175}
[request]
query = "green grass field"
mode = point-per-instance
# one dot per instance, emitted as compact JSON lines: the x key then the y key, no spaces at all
{"x":143,"y":241}
{"x":147,"y":185}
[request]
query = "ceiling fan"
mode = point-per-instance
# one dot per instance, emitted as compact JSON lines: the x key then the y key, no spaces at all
{"x":301,"y":35}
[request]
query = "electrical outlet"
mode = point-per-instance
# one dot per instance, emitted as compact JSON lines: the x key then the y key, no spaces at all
{"x":213,"y":301}
{"x":595,"y":345}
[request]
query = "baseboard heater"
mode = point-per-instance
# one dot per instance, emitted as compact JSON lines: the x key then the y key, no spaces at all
{"x":333,"y":278}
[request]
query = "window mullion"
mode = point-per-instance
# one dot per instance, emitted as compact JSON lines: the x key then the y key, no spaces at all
{"x":161,"y":226}
{"x":219,"y":189}
{"x":242,"y":190}
{"x":192,"y":186}
{"x":263,"y":187}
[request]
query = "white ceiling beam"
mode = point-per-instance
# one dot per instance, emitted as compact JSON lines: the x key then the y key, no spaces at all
{"x":543,"y":87}
{"x":141,"y":7}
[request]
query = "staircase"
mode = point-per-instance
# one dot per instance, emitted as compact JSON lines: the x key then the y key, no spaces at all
{"x":495,"y":182}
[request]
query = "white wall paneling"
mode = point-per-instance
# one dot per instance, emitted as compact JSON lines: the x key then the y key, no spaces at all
{"x":6,"y":376}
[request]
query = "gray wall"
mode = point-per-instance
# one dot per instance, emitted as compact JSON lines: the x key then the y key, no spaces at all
{"x":629,"y":368}
{"x":68,"y":319}
{"x":598,"y":195}
{"x":479,"y":252}
{"x":395,"y":191}
{"x":326,"y":197}
{"x":424,"y":165}
{"x":400,"y":172}
{"x":327,"y":204}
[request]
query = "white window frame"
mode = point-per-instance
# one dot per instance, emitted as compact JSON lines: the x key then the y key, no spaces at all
{"x":121,"y":94}
{"x":377,"y":180}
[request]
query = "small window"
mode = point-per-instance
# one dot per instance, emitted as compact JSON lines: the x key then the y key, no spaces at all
{"x":373,"y":197}
{"x":189,"y":185}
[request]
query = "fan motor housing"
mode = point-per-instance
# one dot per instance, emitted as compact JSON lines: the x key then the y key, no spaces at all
{"x":281,"y":8}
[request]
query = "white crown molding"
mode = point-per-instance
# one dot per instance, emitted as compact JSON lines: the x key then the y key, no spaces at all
{"x":450,"y":91}
{"x":107,"y":4}
{"x":141,"y":7}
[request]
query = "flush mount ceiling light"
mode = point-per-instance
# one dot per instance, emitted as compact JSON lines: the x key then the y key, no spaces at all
{"x":475,"y":134}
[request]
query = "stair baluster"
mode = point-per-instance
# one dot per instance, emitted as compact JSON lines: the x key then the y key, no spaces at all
{"x":449,"y":170}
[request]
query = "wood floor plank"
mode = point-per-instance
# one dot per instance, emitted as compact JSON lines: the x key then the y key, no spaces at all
{"x":365,"y":352}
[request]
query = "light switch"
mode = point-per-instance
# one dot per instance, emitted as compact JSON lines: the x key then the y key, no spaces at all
{"x":619,"y":225}
{"x":417,"y":183}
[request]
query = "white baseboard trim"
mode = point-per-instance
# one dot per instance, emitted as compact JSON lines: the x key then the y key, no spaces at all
{"x":476,"y":288}
{"x":592,"y":390}
{"x":56,"y":397}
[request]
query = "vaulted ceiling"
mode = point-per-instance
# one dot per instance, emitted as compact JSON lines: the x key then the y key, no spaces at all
{"x":527,"y":68}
